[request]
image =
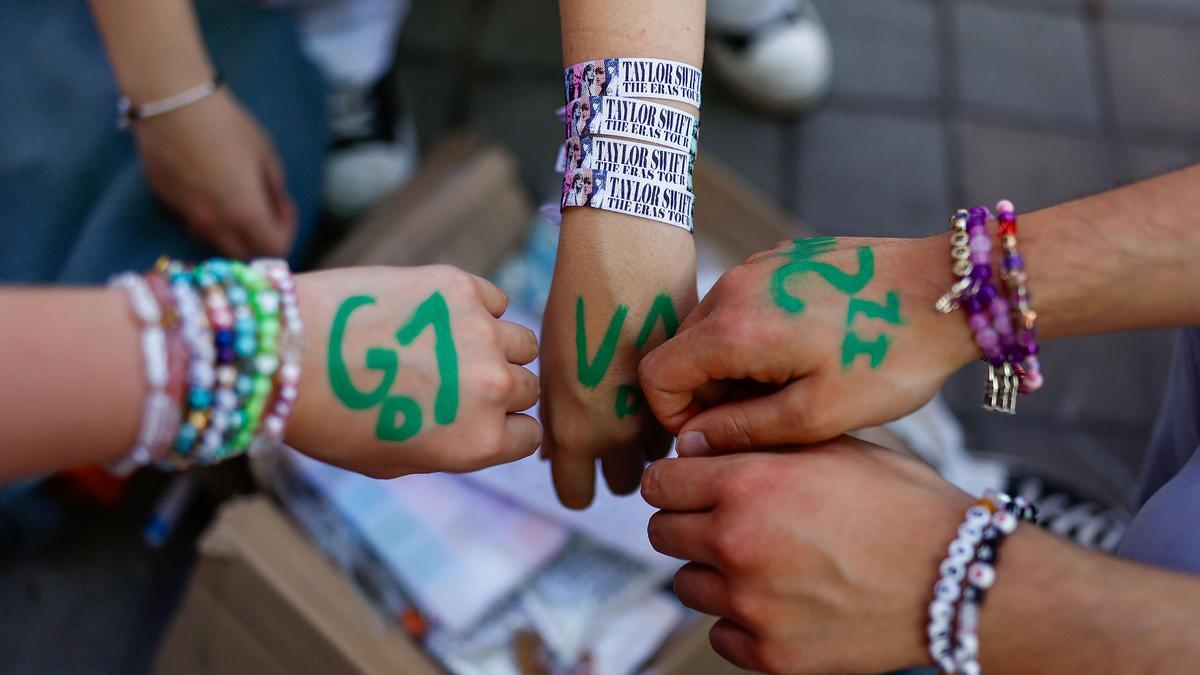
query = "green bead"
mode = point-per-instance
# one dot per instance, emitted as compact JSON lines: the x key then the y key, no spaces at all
{"x":254,"y":410}
{"x":262,"y":386}
{"x":268,"y":345}
{"x":242,"y":440}
{"x":268,"y":329}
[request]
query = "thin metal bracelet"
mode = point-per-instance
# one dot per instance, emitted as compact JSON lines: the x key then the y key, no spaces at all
{"x":128,"y":113}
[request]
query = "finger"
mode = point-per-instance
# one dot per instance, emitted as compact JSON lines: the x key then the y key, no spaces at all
{"x":494,"y":299}
{"x":522,"y":435}
{"x":526,"y":389}
{"x":683,"y":484}
{"x":623,"y":470}
{"x":703,"y":589}
{"x":682,"y":535}
{"x":574,"y":478}
{"x":256,"y":226}
{"x":281,"y":203}
{"x":776,"y":419}
{"x":669,"y":376}
{"x":519,"y":344}
{"x":225,"y":241}
{"x":735,"y":644}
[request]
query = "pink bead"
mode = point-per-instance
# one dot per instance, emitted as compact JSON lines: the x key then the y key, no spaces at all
{"x":987,"y":339}
{"x":273,"y":426}
{"x":999,"y":306}
{"x":289,"y":394}
{"x":981,"y":257}
{"x":981,"y":244}
{"x":1005,"y":206}
{"x":978,"y":323}
{"x":289,"y":373}
{"x":222,"y":319}
{"x":1032,"y":381}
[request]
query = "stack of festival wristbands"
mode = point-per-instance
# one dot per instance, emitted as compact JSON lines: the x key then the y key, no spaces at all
{"x":966,"y":575}
{"x":1000,"y":315}
{"x":221,"y":346}
{"x":626,"y":154}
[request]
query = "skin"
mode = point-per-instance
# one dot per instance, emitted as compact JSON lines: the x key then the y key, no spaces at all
{"x":823,"y":560}
{"x":210,"y":162}
{"x":611,"y":260}
{"x":100,"y":381}
{"x":801,"y":375}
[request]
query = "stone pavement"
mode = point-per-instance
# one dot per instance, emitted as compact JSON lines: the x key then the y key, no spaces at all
{"x":935,"y":104}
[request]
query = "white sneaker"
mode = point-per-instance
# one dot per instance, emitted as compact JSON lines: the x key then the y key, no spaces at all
{"x":374,"y":149}
{"x":774,"y":54}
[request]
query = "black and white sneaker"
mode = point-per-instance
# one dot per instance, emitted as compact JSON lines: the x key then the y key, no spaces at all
{"x":774,"y":54}
{"x":1087,"y":523}
{"x":374,"y":148}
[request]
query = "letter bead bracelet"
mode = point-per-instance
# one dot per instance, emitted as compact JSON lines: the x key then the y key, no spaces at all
{"x":1003,"y":324}
{"x":965,"y":576}
{"x":221,"y":344}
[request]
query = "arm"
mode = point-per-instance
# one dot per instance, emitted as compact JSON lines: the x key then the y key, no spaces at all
{"x":74,"y":375}
{"x":842,"y":335}
{"x":209,"y":161}
{"x":824,"y":560}
{"x":607,"y":261}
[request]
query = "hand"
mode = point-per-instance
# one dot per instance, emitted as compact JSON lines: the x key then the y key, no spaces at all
{"x":410,"y":370}
{"x":612,"y":301}
{"x":213,"y":165}
{"x":807,"y":341}
{"x":817,"y":561}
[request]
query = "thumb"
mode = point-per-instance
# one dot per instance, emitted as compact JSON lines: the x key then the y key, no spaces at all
{"x":751,"y":424}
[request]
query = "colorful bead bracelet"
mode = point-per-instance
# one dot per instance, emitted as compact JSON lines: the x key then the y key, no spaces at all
{"x":222,"y":344}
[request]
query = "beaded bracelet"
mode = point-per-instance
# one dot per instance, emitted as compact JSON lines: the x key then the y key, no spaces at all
{"x":971,"y":558}
{"x":157,"y":421}
{"x":198,"y":336}
{"x":1029,"y":368}
{"x":264,"y":304}
{"x":291,"y":345}
{"x":208,"y":277}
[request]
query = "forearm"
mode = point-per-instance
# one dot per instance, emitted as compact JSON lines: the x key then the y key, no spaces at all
{"x":155,"y":46}
{"x":1057,"y":608}
{"x":73,"y":381}
{"x":630,"y":259}
{"x":1122,"y":260}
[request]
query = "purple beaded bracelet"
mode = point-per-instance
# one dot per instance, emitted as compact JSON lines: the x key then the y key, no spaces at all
{"x":1025,"y":351}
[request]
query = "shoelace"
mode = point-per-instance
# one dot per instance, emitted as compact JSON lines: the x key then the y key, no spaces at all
{"x":1086,"y":523}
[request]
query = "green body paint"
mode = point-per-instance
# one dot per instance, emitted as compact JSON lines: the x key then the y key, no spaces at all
{"x":850,"y":284}
{"x":873,"y":310}
{"x":629,"y":401}
{"x":434,"y":312}
{"x":662,"y":308}
{"x":592,"y":373}
{"x":854,"y":347}
{"x":802,"y":260}
{"x":377,"y":359}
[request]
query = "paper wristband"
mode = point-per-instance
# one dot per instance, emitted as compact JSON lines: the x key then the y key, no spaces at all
{"x":630,"y":196}
{"x":637,"y":160}
{"x":632,"y":119}
{"x":635,"y":78}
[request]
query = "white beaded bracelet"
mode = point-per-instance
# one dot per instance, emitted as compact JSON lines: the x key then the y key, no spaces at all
{"x":291,"y":348}
{"x":160,"y":415}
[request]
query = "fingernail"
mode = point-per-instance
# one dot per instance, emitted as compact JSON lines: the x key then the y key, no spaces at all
{"x":693,"y":444}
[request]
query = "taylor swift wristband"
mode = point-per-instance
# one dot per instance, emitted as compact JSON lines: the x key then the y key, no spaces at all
{"x":636,"y":160}
{"x":635,"y":78}
{"x":630,"y":196}
{"x":632,"y":119}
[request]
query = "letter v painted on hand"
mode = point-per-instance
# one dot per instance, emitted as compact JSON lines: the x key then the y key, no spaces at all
{"x":592,"y":373}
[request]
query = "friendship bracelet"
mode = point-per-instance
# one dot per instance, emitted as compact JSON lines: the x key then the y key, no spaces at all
{"x":630,"y":196}
{"x":156,"y":422}
{"x":971,"y":559}
{"x":633,"y":119}
{"x":197,"y":335}
{"x":291,"y":346}
{"x":177,"y":360}
{"x":635,"y":78}
{"x":636,"y":160}
{"x":1015,"y":279}
{"x":264,"y":303}
{"x":211,"y":276}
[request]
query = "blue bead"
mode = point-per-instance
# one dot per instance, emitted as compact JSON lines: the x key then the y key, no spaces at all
{"x":223,"y":337}
{"x":219,"y":267}
{"x":186,"y":438}
{"x":237,"y":295}
{"x":245,"y":385}
{"x":200,"y":398}
{"x":246,"y":326}
{"x":247,"y":346}
{"x":237,"y":419}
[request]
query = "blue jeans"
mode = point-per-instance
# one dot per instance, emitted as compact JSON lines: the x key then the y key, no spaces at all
{"x":75,"y":206}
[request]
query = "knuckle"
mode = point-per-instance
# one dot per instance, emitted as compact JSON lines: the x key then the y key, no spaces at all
{"x":729,"y":547}
{"x":775,"y":656}
{"x":747,"y":608}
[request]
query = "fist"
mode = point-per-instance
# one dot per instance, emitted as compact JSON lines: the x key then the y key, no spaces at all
{"x":411,"y":370}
